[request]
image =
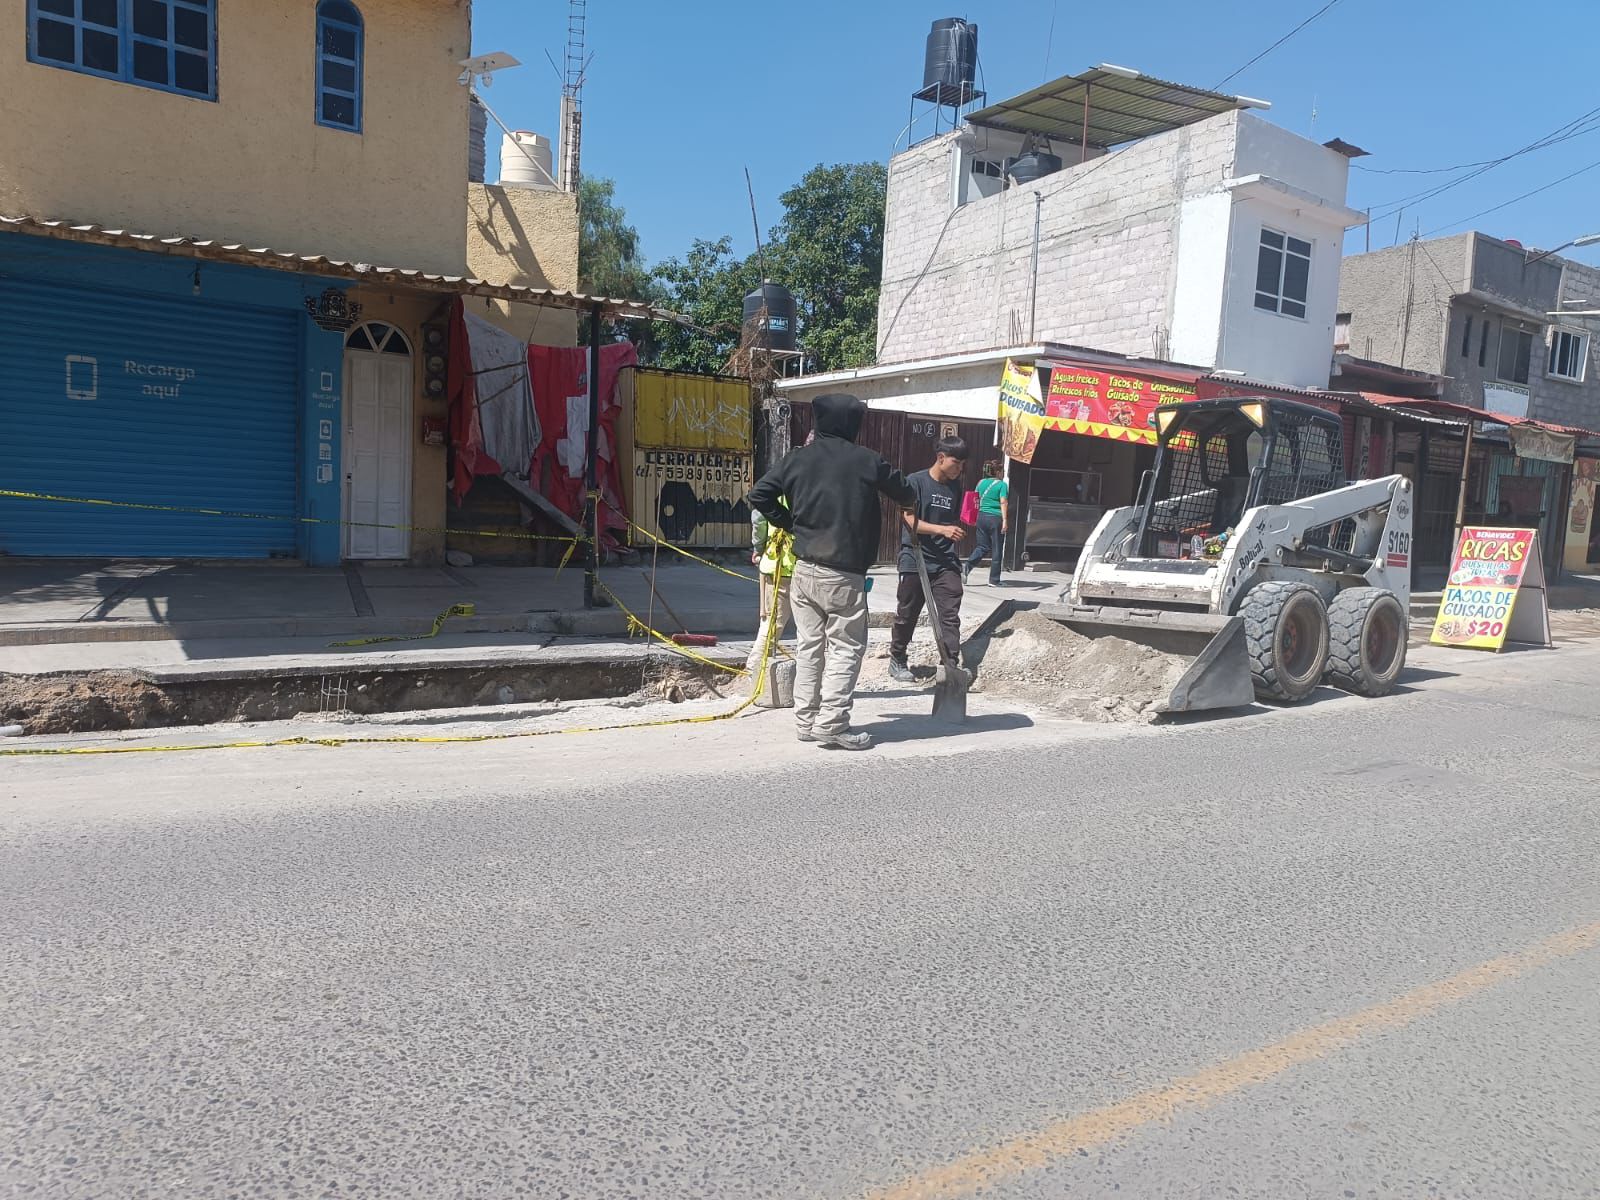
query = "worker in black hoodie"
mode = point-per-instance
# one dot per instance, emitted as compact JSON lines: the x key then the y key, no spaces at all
{"x":832,"y":488}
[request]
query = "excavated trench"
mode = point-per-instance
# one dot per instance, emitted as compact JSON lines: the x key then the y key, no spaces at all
{"x":99,"y":701}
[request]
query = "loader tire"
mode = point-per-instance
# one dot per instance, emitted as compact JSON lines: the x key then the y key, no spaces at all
{"x":1367,"y":631}
{"x":1286,"y":632}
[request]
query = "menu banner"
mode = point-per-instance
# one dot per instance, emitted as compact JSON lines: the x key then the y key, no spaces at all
{"x":1109,"y":404}
{"x":1495,"y":592}
{"x":1021,"y":416}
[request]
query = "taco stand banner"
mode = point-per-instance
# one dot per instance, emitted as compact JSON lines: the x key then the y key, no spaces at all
{"x":1495,"y":592}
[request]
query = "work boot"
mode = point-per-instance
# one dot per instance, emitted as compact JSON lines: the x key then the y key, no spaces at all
{"x":900,"y":672}
{"x":849,"y":740}
{"x":806,"y":735}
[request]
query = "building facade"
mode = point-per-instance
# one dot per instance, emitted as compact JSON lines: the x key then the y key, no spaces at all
{"x":189,"y":199}
{"x":1216,"y":243}
{"x":1481,"y":315}
{"x":1477,"y":310}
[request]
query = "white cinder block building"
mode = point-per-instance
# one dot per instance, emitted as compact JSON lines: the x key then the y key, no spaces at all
{"x":1213,"y":239}
{"x":1104,"y":216}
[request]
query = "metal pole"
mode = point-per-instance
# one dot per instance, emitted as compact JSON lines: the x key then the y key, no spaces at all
{"x":591,"y":510}
{"x":1083,"y":145}
{"x":1033,"y":287}
{"x":1461,"y":496}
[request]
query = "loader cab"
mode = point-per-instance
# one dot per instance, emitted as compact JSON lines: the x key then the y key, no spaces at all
{"x":1217,"y":459}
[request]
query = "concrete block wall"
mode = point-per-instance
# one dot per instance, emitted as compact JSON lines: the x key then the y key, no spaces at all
{"x":1560,"y":400}
{"x":1373,"y":289}
{"x":958,"y":279}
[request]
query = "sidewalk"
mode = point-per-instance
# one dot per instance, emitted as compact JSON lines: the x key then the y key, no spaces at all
{"x":159,"y":617}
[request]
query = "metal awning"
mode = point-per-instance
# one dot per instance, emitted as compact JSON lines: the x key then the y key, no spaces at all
{"x":211,"y":250}
{"x":1107,"y":106}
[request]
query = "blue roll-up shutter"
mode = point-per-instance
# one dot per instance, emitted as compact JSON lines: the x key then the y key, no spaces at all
{"x":156,"y":400}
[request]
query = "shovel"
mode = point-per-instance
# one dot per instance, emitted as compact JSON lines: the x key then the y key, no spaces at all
{"x":950,"y":690}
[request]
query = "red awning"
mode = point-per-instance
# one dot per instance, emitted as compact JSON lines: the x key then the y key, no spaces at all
{"x":1465,"y":412}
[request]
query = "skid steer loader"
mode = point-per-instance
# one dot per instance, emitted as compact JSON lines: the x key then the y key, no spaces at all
{"x":1248,"y":552}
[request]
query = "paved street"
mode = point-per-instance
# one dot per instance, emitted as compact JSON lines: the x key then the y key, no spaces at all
{"x":1348,"y":950}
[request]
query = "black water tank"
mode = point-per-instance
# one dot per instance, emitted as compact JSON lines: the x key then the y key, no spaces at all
{"x":952,"y":54}
{"x":769,"y":317}
{"x":1036,"y":164}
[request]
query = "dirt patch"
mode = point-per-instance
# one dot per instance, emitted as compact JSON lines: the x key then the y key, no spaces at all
{"x":1041,"y":662}
{"x":95,"y":701}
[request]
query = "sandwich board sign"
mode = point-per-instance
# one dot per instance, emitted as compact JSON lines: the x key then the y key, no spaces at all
{"x":1495,"y":593}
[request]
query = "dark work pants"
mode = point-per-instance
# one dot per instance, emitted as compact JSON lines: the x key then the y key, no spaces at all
{"x":991,"y":545}
{"x":947,"y":591}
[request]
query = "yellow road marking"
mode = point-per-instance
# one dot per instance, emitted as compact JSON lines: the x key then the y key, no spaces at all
{"x":987,"y":1167}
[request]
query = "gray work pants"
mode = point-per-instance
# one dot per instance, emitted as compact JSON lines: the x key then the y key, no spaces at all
{"x":830,"y":621}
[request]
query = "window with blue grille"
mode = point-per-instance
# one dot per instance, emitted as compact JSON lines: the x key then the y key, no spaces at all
{"x":170,"y":45}
{"x":339,"y":51}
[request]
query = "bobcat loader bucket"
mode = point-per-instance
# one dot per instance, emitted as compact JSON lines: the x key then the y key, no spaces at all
{"x":1218,"y":675}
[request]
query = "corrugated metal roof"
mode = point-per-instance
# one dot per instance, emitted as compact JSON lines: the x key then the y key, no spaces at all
{"x":213,"y":250}
{"x":1467,"y":413}
{"x":1121,"y":109}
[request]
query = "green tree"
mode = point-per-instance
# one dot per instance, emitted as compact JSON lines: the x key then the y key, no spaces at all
{"x":609,"y":262}
{"x":707,"y":286}
{"x":828,"y":251}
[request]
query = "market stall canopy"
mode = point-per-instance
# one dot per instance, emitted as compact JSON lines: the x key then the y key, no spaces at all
{"x":1115,"y":104}
{"x":1465,"y":412}
{"x":213,"y":250}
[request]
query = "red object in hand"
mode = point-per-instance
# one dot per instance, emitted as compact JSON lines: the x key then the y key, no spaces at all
{"x":695,"y":639}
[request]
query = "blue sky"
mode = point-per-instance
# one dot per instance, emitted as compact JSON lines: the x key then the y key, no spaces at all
{"x":682,"y":97}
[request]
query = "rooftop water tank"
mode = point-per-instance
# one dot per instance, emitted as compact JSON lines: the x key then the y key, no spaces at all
{"x":477,"y":132}
{"x":951,"y":59}
{"x":1035,"y":164}
{"x":769,"y":316}
{"x":516,"y":169}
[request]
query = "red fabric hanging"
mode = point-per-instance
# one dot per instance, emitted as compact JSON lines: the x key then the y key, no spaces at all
{"x":561,"y":396}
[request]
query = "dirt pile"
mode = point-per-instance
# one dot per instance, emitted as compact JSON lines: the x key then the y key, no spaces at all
{"x":1102,"y":678}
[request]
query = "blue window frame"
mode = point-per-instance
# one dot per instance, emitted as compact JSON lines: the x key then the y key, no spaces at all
{"x":340,"y":43}
{"x":169,"y":45}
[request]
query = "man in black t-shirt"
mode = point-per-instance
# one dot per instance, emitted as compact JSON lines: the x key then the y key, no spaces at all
{"x":932,"y":530}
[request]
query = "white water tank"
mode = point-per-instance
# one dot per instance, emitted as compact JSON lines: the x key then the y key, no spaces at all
{"x":525,"y":161}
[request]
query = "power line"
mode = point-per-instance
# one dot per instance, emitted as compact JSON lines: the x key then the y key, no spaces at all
{"x":1277,"y":43}
{"x":1579,"y":125}
{"x":1487,"y":162}
{"x":1514,"y":199}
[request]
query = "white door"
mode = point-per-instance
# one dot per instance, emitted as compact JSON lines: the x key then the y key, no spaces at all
{"x":377,"y":443}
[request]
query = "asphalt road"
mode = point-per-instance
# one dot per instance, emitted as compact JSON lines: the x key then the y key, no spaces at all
{"x":1348,"y":951}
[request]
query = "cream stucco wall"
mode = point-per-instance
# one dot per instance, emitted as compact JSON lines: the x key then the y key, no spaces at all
{"x":254,"y":165}
{"x":527,"y":237}
{"x":408,"y":312}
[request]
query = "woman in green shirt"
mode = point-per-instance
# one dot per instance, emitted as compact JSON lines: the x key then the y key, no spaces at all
{"x":992,"y":522}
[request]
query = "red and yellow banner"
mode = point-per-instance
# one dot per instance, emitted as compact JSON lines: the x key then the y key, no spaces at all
{"x":1480,"y":596}
{"x":1109,"y":404}
{"x":1021,"y":417}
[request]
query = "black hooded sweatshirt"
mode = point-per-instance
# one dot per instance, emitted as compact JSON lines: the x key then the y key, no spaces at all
{"x":832,"y":487}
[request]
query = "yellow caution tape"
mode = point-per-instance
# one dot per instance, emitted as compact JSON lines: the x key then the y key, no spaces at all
{"x":704,"y":562}
{"x":636,"y":626}
{"x":455,"y":610}
{"x":572,"y":539}
{"x":756,"y":692}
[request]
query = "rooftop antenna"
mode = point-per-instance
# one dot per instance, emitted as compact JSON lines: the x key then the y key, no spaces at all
{"x":761,"y":257}
{"x":574,"y":68}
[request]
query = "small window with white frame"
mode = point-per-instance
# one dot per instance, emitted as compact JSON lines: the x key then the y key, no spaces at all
{"x":1569,"y":354}
{"x":1283,"y":273}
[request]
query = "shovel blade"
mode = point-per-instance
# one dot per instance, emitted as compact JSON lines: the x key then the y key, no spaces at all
{"x":950,"y":696}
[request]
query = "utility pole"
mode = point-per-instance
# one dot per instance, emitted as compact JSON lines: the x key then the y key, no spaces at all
{"x":591,"y":504}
